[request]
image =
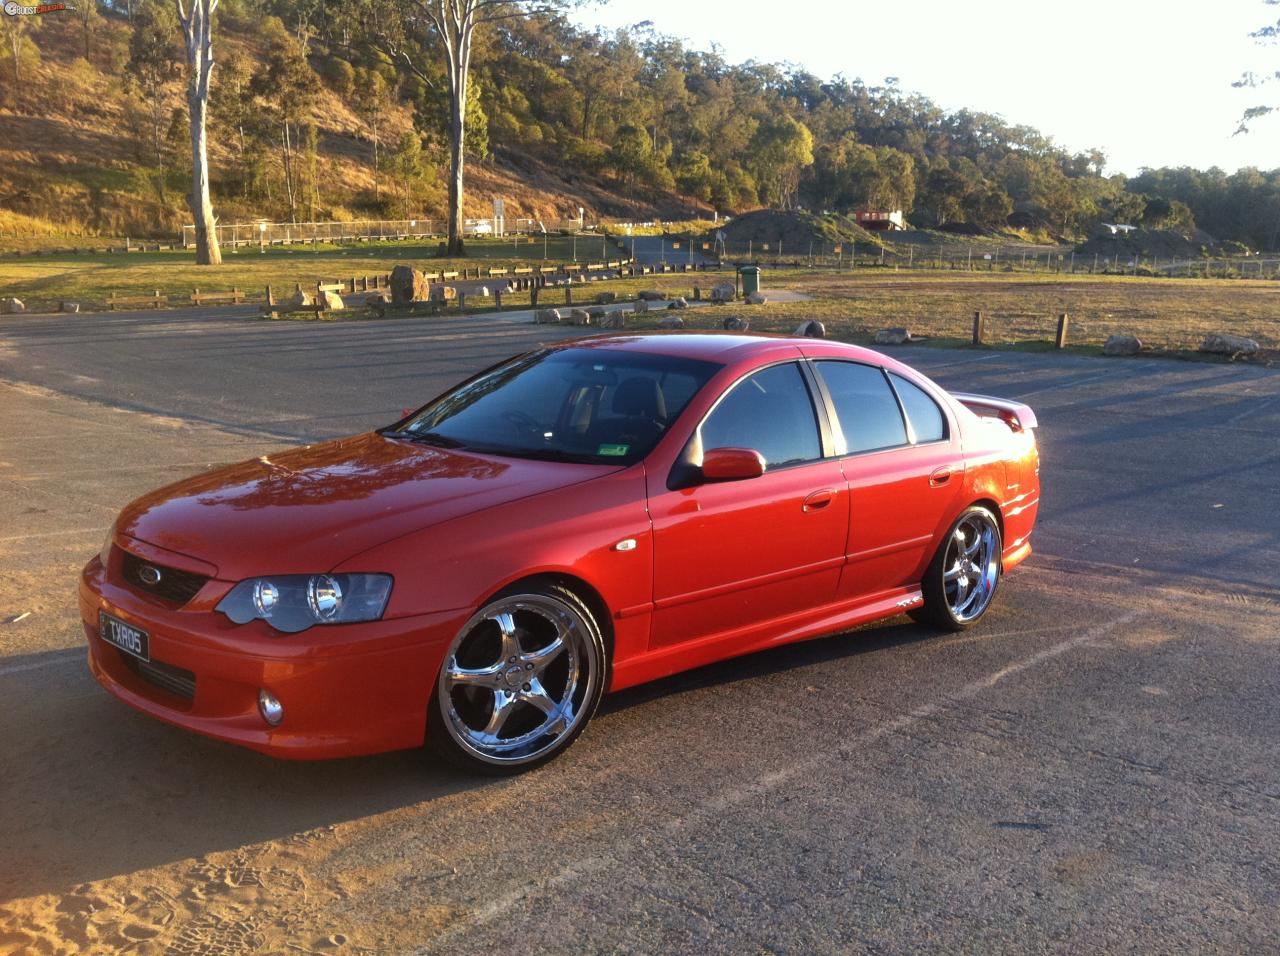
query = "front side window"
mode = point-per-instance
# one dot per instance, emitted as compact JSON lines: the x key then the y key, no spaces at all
{"x":575,"y":404}
{"x":868,"y":411}
{"x":769,"y":411}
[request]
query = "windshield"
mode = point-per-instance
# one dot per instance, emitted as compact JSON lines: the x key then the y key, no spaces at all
{"x":575,"y":404}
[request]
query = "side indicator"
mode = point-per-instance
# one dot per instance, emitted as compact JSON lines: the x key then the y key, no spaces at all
{"x":626,"y":544}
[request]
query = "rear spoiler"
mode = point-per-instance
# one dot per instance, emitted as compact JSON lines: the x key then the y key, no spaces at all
{"x":1017,"y":416}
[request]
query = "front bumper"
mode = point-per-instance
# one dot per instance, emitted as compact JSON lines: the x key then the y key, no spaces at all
{"x":346,"y":689}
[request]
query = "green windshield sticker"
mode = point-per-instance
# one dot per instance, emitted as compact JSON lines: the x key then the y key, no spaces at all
{"x":613,"y":449}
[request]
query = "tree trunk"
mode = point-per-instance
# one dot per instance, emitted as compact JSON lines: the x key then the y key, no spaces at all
{"x":197,"y":29}
{"x":207,"y":251}
{"x":457,"y":158}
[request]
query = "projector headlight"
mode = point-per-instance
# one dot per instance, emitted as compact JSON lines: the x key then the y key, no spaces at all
{"x":294,"y":602}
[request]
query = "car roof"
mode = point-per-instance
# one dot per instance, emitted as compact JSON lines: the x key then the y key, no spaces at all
{"x":722,"y":347}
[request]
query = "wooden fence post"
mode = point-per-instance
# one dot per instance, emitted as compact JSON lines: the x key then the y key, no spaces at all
{"x":568,"y":295}
{"x":271,"y":299}
{"x":979,"y":327}
{"x":1063,"y":322}
{"x":533,"y":295}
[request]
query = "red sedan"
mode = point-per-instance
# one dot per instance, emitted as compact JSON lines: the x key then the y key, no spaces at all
{"x":579,"y":519}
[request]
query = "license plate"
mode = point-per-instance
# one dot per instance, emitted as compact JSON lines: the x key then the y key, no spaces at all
{"x":130,"y":639}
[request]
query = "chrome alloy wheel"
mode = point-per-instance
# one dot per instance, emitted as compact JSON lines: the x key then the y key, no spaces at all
{"x":516,"y":678}
{"x":972,"y":566}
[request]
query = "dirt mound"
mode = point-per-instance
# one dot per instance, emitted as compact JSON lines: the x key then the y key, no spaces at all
{"x":1151,"y":243}
{"x":795,"y":230}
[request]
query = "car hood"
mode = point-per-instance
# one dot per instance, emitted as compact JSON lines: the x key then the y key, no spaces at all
{"x":308,"y":509}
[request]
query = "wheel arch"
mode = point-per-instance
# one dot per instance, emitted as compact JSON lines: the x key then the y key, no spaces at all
{"x":582,"y":589}
{"x":991,"y":505}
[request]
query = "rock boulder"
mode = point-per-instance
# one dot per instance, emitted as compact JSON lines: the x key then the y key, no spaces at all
{"x":1223,"y":343}
{"x":407,"y":285}
{"x":756,"y":298}
{"x":813,"y":329}
{"x":12,"y":306}
{"x":547,"y":317}
{"x":734,"y":324}
{"x":1122,"y":345}
{"x":898,"y":336}
{"x":671,"y":322}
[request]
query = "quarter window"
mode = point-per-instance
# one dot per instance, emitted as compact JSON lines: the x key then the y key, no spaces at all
{"x":922,"y":411}
{"x":770,"y":411}
{"x":868,"y":411}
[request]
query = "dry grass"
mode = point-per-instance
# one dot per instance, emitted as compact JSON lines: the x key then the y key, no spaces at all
{"x":42,"y":282}
{"x":1166,"y":314}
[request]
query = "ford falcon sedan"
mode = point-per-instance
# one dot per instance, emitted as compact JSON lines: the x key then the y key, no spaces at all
{"x":575,"y":520}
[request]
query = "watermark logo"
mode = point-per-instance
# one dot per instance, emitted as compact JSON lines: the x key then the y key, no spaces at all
{"x":14,"y":9}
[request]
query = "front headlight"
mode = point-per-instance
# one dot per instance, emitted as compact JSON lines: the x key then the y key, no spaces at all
{"x":294,"y":602}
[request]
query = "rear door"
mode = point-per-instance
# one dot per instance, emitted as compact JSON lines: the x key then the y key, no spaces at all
{"x":905,"y":471}
{"x":738,"y":554}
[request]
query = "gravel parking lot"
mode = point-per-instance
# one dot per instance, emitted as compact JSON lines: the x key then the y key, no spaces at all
{"x":1094,"y":767}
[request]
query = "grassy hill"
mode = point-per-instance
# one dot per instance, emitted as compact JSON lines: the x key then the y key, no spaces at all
{"x":76,"y":156}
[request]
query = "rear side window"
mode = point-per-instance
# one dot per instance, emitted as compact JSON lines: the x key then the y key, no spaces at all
{"x":770,"y":411}
{"x":922,"y":411}
{"x":865,"y":405}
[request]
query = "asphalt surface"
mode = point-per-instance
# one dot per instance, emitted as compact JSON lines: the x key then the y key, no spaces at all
{"x":1093,"y":768}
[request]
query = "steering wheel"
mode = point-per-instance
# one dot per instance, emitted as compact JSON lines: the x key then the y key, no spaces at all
{"x":522,"y":420}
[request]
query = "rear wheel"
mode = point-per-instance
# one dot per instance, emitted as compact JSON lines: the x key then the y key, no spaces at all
{"x":963,"y":576}
{"x":519,"y":682}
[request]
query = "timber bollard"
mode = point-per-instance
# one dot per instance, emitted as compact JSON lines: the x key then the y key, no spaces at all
{"x":979,"y":327}
{"x":1063,"y":322}
{"x":497,"y":298}
{"x":533,"y":295}
{"x":271,"y":299}
{"x":568,"y":295}
{"x":462,"y":302}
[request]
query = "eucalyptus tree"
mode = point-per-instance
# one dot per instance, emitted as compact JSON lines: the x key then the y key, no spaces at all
{"x":196,"y":18}
{"x":410,"y":31}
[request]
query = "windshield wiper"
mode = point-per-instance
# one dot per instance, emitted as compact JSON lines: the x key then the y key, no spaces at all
{"x":538,"y":454}
{"x":425,"y":438}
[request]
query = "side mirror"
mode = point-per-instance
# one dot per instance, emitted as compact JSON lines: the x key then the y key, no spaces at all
{"x":732,"y":464}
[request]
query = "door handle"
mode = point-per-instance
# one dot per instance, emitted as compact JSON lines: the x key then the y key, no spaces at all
{"x":819,"y":500}
{"x":940,"y":476}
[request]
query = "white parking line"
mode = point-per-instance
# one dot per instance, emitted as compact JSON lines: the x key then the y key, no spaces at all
{"x":717,"y":804}
{"x":96,"y":529}
{"x":67,"y":657}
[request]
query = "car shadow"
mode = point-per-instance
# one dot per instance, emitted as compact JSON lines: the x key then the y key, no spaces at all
{"x":866,"y":639}
{"x":94,"y":790}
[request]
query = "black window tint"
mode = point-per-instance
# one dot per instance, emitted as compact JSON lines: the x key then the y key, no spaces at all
{"x":922,"y":411}
{"x":771,"y":412}
{"x":865,"y":405}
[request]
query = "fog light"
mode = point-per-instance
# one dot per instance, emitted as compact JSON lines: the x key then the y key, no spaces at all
{"x":271,"y":709}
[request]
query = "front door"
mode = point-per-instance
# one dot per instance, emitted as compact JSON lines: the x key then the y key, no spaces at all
{"x":734,"y":554}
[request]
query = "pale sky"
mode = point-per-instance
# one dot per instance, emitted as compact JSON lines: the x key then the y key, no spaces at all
{"x":1149,"y":82}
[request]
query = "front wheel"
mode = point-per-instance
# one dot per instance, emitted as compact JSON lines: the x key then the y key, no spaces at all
{"x":519,"y":682}
{"x":962,"y":578}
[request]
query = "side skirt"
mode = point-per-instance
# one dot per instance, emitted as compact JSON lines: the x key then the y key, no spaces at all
{"x":818,"y":622}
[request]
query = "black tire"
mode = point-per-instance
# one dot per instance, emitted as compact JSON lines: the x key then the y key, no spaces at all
{"x":944,"y":602}
{"x":579,"y":672}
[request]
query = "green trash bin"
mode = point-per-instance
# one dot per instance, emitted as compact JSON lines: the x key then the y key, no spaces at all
{"x":750,"y":279}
